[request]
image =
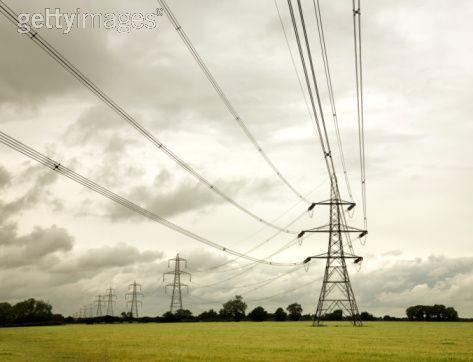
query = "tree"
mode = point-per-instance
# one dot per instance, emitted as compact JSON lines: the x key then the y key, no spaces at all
{"x":336,"y":315}
{"x":32,"y":311}
{"x":183,"y":315}
{"x":280,"y":315}
{"x":169,"y":317}
{"x":208,"y":316}
{"x":451,"y":314}
{"x":415,"y":312}
{"x":258,"y":314}
{"x":295,"y":311}
{"x":234,"y":309}
{"x":6,"y":313}
{"x":365,"y":316}
{"x":437,"y":312}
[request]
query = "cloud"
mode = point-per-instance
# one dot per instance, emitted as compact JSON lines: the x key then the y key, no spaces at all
{"x":29,"y":250}
{"x":120,"y":255}
{"x":436,"y":279}
{"x":92,"y":124}
{"x":41,"y":180}
{"x":168,"y":198}
{"x":5,"y":177}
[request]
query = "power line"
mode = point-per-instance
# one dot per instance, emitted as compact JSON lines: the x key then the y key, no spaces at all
{"x":55,"y":166}
{"x":324,"y":144}
{"x":218,"y":266}
{"x":58,"y":57}
{"x":257,"y":286}
{"x":257,"y":246}
{"x":251,"y":266}
{"x":328,"y":77}
{"x":254,"y":285}
{"x":293,"y":60}
{"x":359,"y":100}
{"x":246,"y":270}
{"x":285,"y":212}
{"x":224,"y":98}
{"x":285,"y":292}
{"x":336,"y":288}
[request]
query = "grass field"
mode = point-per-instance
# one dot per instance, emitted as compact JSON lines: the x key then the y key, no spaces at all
{"x":267,"y":341}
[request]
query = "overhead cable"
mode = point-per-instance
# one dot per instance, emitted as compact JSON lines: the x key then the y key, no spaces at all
{"x":225,"y":99}
{"x":57,"y":167}
{"x":359,"y":100}
{"x":328,"y":77}
{"x":58,"y":57}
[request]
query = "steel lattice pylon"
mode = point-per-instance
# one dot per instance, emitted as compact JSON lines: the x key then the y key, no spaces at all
{"x":336,"y":291}
{"x":99,"y":302}
{"x":135,"y":292}
{"x":110,"y":298}
{"x":176,"y":299}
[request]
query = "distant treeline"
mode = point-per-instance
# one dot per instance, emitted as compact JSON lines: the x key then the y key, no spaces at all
{"x":36,"y":312}
{"x":235,"y":310}
{"x":28,"y":312}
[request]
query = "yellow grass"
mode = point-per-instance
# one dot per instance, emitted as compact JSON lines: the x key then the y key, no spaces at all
{"x":267,"y":341}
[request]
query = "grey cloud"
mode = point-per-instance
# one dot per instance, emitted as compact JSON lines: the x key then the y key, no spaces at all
{"x":117,"y":256}
{"x":28,"y":250}
{"x":395,"y":252}
{"x":71,"y":279}
{"x":169,"y":199}
{"x":41,"y":242}
{"x":8,"y":233}
{"x":5,"y":177}
{"x":92,"y":124}
{"x":41,"y":181}
{"x":41,"y":78}
{"x":437,"y":279}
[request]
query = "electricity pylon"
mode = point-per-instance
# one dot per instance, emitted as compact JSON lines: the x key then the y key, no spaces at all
{"x":336,"y":292}
{"x":135,"y":292}
{"x":99,"y":302}
{"x":176,"y":299}
{"x":91,"y":309}
{"x":110,"y":298}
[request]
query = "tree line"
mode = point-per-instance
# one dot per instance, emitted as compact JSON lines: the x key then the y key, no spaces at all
{"x":37,"y":312}
{"x":436,"y":312}
{"x":28,"y":312}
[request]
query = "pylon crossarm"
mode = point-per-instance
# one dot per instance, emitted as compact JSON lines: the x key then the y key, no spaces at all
{"x":335,"y":202}
{"x":336,"y":256}
{"x":342,"y":229}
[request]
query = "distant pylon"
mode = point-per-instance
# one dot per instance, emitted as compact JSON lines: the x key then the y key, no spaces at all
{"x":110,"y":299}
{"x":99,"y":302}
{"x":91,"y":310}
{"x":135,"y":292}
{"x":176,"y":299}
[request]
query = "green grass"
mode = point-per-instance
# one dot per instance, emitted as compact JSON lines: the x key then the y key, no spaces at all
{"x":268,"y":341}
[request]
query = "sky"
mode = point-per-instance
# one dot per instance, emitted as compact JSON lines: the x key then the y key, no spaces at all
{"x":63,"y":243}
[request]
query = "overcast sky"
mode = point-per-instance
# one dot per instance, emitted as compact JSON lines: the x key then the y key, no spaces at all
{"x":63,"y":243}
